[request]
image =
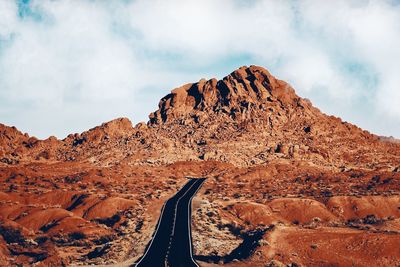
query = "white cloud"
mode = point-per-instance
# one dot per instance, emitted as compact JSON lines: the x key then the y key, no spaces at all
{"x":8,"y":19}
{"x":102,"y":59}
{"x":75,"y":54}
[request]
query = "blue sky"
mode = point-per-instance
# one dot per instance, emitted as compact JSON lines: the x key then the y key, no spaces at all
{"x":67,"y":66}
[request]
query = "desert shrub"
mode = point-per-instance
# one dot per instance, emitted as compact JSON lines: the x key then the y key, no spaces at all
{"x":11,"y":235}
{"x":76,"y":235}
{"x":109,"y":221}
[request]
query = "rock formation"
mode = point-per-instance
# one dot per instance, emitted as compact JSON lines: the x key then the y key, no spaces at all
{"x":247,"y":118}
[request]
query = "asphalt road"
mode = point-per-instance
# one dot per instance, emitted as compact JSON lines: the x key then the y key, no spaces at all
{"x":172,"y":241}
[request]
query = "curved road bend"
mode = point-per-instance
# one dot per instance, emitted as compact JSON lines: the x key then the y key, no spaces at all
{"x":172,"y":241}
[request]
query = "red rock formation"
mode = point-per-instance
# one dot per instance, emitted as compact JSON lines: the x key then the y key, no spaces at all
{"x":239,"y":93}
{"x":247,"y":118}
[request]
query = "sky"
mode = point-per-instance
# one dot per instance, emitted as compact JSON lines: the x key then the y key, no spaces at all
{"x":67,"y":66}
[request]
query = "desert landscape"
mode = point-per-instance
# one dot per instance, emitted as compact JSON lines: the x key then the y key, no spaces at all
{"x":287,"y":185}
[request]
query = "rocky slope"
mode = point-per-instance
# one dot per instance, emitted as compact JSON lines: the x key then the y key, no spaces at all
{"x":247,"y":118}
{"x":287,"y":184}
{"x":250,"y":118}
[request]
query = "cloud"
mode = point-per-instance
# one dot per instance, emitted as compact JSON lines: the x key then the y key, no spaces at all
{"x":72,"y":65}
{"x":69,"y":53}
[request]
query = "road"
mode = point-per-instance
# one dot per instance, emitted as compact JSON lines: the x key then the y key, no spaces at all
{"x":172,"y":241}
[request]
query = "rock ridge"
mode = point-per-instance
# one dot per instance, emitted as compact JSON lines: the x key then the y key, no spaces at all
{"x":244,"y":89}
{"x":247,"y":118}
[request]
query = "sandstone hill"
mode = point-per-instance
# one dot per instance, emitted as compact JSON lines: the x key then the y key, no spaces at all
{"x":247,"y":118}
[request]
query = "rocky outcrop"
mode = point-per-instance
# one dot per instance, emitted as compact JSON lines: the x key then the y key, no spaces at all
{"x":250,"y":117}
{"x":247,"y":118}
{"x":110,"y":130}
{"x":238,"y":94}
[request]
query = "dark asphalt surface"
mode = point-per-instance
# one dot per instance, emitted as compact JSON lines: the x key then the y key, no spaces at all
{"x":172,"y":242}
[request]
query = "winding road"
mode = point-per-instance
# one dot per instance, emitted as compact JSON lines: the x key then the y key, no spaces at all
{"x":171,"y":244}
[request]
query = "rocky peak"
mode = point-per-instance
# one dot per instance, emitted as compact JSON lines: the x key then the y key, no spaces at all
{"x":244,"y":89}
{"x":113,"y":129}
{"x":11,"y":136}
{"x":11,"y":132}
